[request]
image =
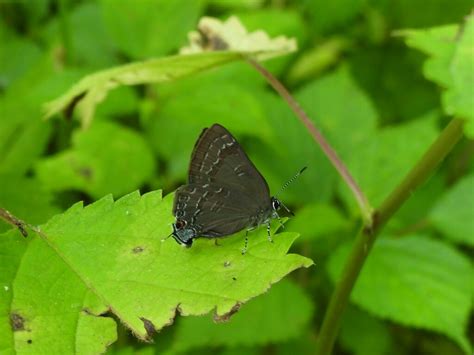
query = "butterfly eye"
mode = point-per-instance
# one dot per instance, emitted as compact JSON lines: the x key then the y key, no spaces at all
{"x":276,"y":204}
{"x":180,"y":224}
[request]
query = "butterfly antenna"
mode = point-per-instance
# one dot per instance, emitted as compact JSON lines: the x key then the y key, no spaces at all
{"x":286,"y":184}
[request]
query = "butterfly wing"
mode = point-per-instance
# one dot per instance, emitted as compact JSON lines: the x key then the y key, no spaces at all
{"x":215,"y":210}
{"x":218,"y":158}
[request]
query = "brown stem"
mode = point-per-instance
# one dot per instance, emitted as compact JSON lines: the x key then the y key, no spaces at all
{"x":331,"y":154}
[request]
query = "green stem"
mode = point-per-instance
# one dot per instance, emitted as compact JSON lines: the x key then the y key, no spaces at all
{"x":366,"y":237}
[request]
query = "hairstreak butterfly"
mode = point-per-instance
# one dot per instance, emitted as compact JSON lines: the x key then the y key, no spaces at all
{"x":225,"y":192}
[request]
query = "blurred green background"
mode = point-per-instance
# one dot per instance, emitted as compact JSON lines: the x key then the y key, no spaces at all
{"x":361,"y":86}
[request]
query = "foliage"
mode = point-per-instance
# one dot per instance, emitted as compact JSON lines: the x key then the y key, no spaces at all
{"x":380,"y":79}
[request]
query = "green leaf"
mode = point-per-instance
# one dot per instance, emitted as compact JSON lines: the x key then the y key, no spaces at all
{"x":460,"y":95}
{"x":115,"y":249}
{"x":88,"y":41}
{"x":262,"y":321}
{"x":415,"y":281}
{"x":451,"y":51}
{"x":317,"y":220}
{"x":328,"y":16}
{"x":26,"y":199}
{"x":44,"y":306}
{"x":149,"y":28}
{"x":453,"y":213}
{"x":346,"y":125}
{"x":382,"y":161}
{"x":105,"y":159}
{"x":356,"y":325}
{"x":95,"y":87}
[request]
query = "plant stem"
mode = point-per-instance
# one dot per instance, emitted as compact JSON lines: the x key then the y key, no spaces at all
{"x":16,"y":222}
{"x":365,"y":207}
{"x":451,"y":134}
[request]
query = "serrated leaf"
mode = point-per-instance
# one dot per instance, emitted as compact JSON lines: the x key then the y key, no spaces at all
{"x":451,"y":51}
{"x":453,"y":214}
{"x":115,"y":249}
{"x":44,"y":306}
{"x":263,"y":320}
{"x":415,"y":281}
{"x":93,"y":88}
{"x":105,"y":159}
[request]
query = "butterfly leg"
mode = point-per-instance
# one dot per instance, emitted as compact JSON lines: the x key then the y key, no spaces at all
{"x":268,"y":233}
{"x":246,"y":242}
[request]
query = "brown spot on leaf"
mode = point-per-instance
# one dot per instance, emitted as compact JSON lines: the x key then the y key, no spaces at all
{"x":17,"y":322}
{"x":85,"y":172}
{"x":227,"y":263}
{"x":29,"y":341}
{"x":226,"y":317}
{"x":137,"y":250}
{"x":234,"y":278}
{"x":149,"y":327}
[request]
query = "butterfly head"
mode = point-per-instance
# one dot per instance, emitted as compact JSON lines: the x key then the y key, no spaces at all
{"x":182,"y":234}
{"x":276,"y":204}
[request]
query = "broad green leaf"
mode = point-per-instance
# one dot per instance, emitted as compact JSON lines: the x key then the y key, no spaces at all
{"x":363,"y":334}
{"x":453,"y":214}
{"x":106,"y":159}
{"x":415,"y":281}
{"x":380,"y":164}
{"x":150,"y":28}
{"x":231,"y":35}
{"x":347,"y":123}
{"x":262,"y":321}
{"x":44,"y":306}
{"x":89,"y":43}
{"x":317,"y":220}
{"x":26,"y":199}
{"x":17,"y":55}
{"x":115,"y":249}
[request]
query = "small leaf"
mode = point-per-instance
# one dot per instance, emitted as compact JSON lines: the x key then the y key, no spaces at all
{"x":117,"y":165}
{"x":115,"y":249}
{"x":233,"y":36}
{"x":415,"y":281}
{"x":453,"y":214}
{"x":263,"y":320}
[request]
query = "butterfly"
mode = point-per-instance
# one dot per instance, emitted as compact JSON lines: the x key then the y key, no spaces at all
{"x":225,"y":192}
